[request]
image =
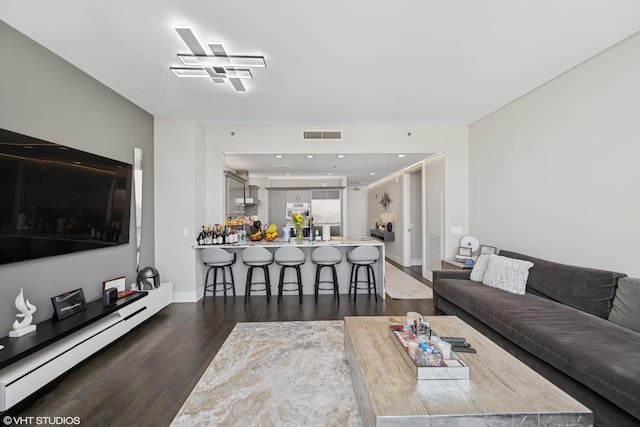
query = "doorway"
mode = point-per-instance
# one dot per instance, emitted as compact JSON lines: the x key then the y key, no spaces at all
{"x":413,"y":194}
{"x":434,"y":207}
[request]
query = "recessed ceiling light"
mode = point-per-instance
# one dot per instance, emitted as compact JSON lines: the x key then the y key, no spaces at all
{"x":330,"y":174}
{"x":340,"y":156}
{"x":372,"y":173}
{"x":310,"y":156}
{"x":287,"y":174}
{"x":401,"y":155}
{"x":278,"y":156}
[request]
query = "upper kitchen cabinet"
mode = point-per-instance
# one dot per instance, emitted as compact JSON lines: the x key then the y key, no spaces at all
{"x":298,"y":196}
{"x":251,"y":201}
{"x":234,"y":187}
{"x":277,"y":207}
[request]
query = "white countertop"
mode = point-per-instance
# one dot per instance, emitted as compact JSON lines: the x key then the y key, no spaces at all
{"x":278,"y":242}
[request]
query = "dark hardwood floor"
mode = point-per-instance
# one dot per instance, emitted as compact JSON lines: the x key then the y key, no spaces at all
{"x":145,"y":377}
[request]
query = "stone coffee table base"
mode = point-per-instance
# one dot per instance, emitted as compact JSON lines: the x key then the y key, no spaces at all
{"x":501,"y":390}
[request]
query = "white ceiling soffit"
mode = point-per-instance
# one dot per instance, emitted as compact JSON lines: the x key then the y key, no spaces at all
{"x":356,"y":168}
{"x":356,"y":63}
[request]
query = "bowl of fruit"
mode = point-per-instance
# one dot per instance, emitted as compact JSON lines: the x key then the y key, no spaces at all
{"x":271,"y":233}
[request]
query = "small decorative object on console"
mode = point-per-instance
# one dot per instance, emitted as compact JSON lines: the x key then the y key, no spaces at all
{"x":120,"y":285}
{"x":109,"y":296}
{"x":148,"y":279}
{"x":68,"y":304}
{"x":26,"y":310}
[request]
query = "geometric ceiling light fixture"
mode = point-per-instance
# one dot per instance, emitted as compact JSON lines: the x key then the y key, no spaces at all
{"x":216,"y":64}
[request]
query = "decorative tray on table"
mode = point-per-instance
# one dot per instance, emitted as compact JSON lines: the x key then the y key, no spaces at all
{"x":451,"y":368}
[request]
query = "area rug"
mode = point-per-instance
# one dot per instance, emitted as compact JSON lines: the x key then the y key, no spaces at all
{"x":276,"y":374}
{"x":399,"y":285}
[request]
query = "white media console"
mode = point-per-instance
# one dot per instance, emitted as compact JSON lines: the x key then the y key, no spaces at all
{"x":30,"y":362}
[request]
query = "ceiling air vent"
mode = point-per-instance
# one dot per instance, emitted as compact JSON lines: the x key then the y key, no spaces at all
{"x":315,"y":135}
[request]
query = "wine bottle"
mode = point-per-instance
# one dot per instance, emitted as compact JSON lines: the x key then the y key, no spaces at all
{"x":201,"y":236}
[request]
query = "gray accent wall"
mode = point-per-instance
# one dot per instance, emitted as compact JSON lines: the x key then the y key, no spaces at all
{"x":43,"y":96}
{"x":555,"y":174}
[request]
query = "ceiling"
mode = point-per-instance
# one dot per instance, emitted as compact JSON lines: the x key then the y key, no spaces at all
{"x":331,"y":63}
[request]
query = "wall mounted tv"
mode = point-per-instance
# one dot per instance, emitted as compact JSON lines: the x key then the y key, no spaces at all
{"x":57,"y":200}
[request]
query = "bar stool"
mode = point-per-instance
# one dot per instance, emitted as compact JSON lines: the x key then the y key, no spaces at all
{"x":257,"y":257}
{"x":218,"y":259}
{"x":290,"y":257}
{"x":326,"y":256}
{"x":363,"y":256}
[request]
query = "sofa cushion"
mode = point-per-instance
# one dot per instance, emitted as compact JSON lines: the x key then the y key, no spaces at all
{"x":479,"y":268}
{"x":507,"y":274}
{"x":597,"y":353}
{"x":583,"y":288}
{"x":625,"y":304}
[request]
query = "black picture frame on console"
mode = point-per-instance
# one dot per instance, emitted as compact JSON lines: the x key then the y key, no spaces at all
{"x":68,"y":304}
{"x":56,"y":200}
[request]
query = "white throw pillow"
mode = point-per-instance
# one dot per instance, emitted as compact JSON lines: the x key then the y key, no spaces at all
{"x":480,"y":267}
{"x":507,"y":274}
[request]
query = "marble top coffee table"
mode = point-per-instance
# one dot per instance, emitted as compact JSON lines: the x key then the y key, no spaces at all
{"x":500,"y":390}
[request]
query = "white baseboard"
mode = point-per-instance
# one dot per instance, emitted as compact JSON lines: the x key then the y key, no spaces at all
{"x":393,"y":257}
{"x":185,"y":296}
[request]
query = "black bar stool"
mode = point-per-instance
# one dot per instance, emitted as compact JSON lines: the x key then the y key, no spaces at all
{"x":363,"y":256}
{"x":257,"y":257}
{"x":218,"y":259}
{"x":290,"y":257}
{"x":326,"y":256}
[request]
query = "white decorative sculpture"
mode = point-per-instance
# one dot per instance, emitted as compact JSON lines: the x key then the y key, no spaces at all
{"x":26,"y":310}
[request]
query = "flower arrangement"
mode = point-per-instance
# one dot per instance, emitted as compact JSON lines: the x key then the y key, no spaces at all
{"x":297,"y":219}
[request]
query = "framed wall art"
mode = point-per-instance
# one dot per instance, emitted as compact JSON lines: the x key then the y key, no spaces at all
{"x":488,"y":250}
{"x":465,"y":251}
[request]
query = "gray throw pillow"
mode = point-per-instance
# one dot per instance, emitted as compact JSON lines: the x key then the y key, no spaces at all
{"x":626,"y":304}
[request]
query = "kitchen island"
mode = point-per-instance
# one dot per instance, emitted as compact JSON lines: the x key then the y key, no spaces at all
{"x":308,"y":270}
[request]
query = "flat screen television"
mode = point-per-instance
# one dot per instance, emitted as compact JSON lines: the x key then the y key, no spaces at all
{"x":57,"y":200}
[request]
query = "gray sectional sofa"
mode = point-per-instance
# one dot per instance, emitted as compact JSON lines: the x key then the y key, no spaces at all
{"x":561,"y":327}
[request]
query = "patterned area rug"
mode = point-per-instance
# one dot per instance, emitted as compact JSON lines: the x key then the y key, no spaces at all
{"x":276,"y":374}
{"x":399,"y":285}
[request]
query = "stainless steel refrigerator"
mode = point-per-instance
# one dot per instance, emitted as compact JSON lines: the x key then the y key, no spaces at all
{"x":326,"y":210}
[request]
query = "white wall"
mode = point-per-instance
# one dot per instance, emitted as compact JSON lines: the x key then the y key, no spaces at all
{"x":393,"y":185}
{"x":356,"y":224}
{"x":181,"y":204}
{"x":555,"y":174}
{"x":45,"y":97}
